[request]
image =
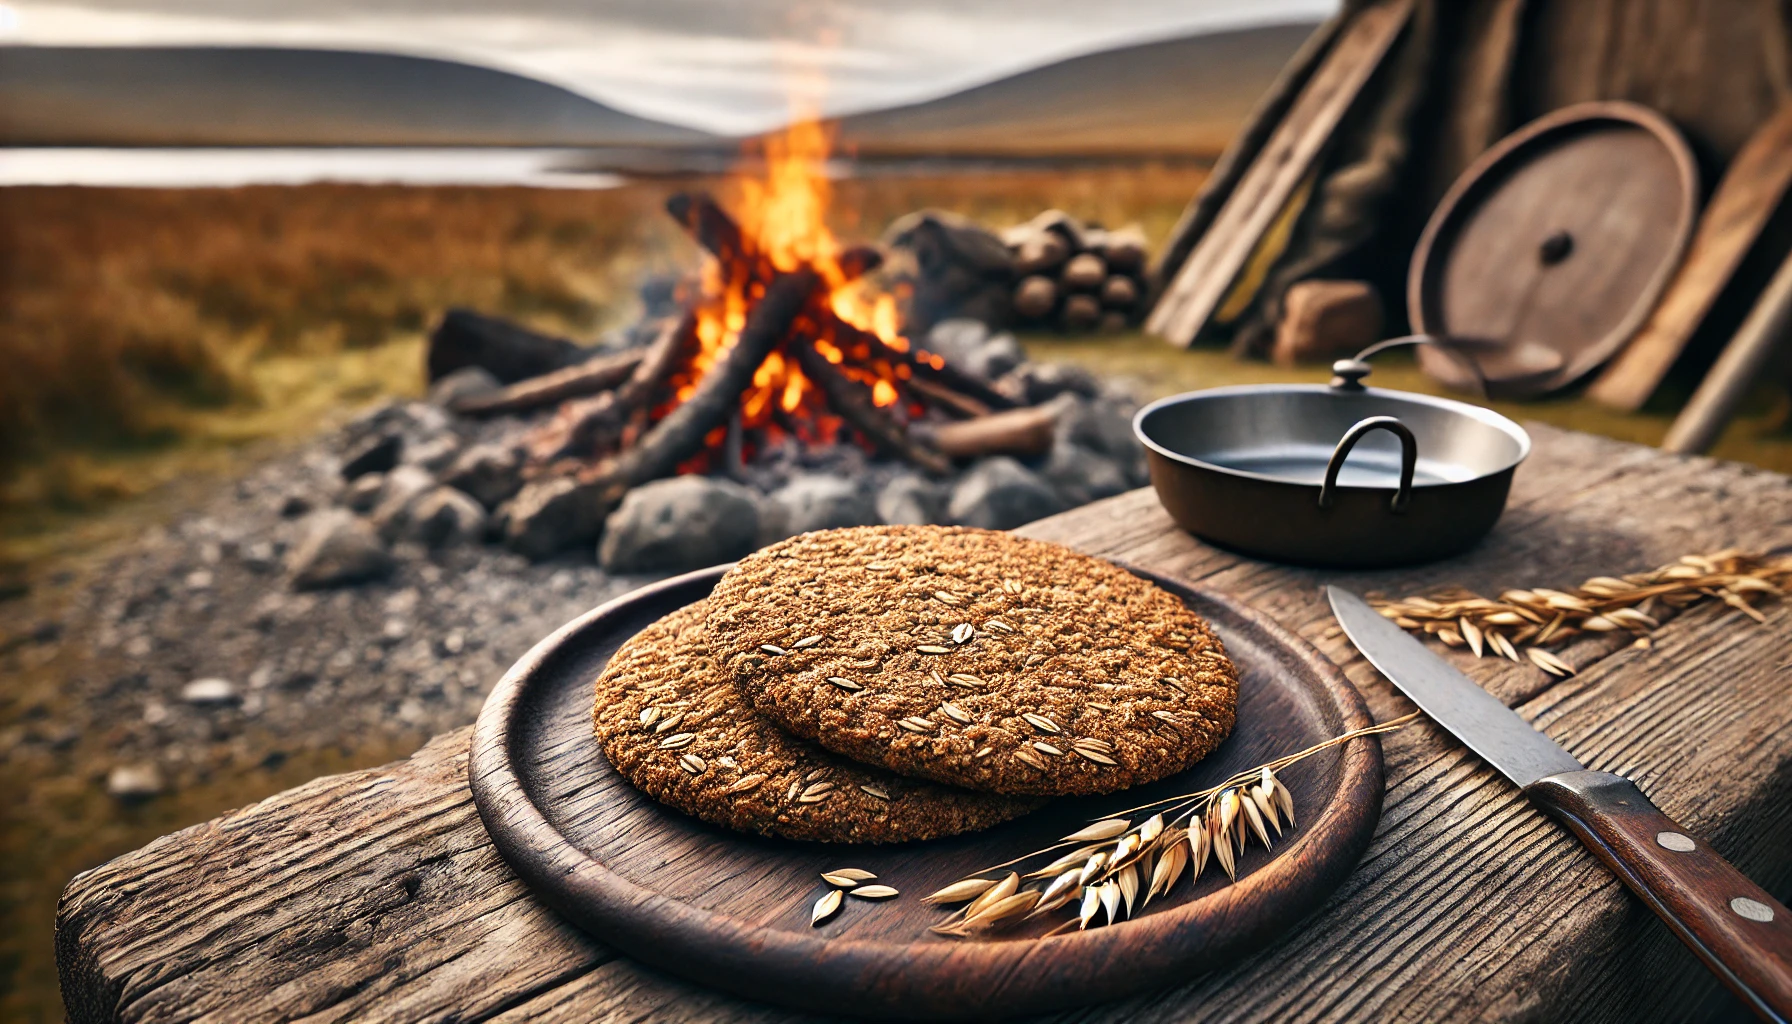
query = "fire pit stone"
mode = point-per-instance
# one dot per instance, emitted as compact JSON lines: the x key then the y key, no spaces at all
{"x":818,"y":501}
{"x":912,"y":499}
{"x":338,"y":547}
{"x":1000,"y":494}
{"x":679,"y":524}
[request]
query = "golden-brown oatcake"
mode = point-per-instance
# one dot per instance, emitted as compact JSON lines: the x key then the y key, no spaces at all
{"x":974,"y":658}
{"x":675,"y":727}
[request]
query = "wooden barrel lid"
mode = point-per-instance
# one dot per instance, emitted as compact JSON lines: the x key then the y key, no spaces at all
{"x":1554,"y":244}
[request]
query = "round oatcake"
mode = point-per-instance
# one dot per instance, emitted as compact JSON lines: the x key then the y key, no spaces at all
{"x":673,"y":725}
{"x":975,"y":658}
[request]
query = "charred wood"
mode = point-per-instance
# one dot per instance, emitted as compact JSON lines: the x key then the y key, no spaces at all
{"x":853,"y":403}
{"x":583,"y":428}
{"x":599,"y":373}
{"x":680,"y":434}
{"x":505,"y":350}
{"x":944,"y":398}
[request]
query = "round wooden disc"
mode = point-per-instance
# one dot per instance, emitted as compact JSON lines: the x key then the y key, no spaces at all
{"x":732,"y":910}
{"x":1554,"y":245}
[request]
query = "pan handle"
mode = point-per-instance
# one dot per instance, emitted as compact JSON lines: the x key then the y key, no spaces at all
{"x":1409,"y":459}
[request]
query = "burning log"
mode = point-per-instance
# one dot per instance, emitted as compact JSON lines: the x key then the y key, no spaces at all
{"x":583,"y":428}
{"x":597,"y":374}
{"x":944,"y":375}
{"x":1023,"y":432}
{"x":680,"y":435}
{"x":854,"y":405}
{"x":503,"y":349}
{"x":716,"y":232}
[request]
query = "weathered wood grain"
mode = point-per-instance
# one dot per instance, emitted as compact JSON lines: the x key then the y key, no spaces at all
{"x":376,"y":896}
{"x":1746,"y":197}
{"x":1291,"y":150}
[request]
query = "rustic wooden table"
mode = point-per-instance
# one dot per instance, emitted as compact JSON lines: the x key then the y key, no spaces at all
{"x":376,"y":896}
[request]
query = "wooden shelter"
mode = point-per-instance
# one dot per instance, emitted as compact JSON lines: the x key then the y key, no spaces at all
{"x":1346,"y":157}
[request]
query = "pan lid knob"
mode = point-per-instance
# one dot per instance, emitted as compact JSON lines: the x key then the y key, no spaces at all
{"x":1348,"y":374}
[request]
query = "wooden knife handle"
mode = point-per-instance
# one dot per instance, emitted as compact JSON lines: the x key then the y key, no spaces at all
{"x":1741,"y":933}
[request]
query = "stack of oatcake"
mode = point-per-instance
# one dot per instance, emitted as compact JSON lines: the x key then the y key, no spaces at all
{"x":890,"y":683}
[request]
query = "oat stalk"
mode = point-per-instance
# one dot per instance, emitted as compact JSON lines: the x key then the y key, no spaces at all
{"x":1117,"y":865}
{"x":1529,"y":621}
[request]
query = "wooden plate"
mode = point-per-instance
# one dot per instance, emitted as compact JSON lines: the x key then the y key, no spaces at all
{"x":732,"y":910}
{"x":1555,"y":244}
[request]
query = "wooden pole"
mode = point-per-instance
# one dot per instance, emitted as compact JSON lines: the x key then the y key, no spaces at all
{"x":1768,"y":326}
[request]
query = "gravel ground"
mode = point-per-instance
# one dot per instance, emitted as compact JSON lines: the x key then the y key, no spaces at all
{"x":179,"y":675}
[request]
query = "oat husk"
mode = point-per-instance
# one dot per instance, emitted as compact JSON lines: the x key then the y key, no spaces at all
{"x":1521,"y":624}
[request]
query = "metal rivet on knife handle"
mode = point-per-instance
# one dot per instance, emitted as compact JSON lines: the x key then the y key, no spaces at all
{"x":1674,"y":841}
{"x":1751,"y":909}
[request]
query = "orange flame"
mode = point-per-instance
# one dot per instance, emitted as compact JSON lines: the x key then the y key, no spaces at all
{"x":783,"y":216}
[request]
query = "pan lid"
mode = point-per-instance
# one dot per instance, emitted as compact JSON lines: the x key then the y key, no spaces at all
{"x":1551,"y":248}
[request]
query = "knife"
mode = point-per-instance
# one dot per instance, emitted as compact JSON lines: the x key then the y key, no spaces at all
{"x":1743,"y":935}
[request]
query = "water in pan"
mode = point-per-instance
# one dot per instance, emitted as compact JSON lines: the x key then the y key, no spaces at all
{"x":1366,"y":466}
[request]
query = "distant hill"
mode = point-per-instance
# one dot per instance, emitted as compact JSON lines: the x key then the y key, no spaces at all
{"x":1178,"y":97}
{"x":265,"y":96}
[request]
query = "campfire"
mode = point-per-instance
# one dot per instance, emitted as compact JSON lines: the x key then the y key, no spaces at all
{"x":782,"y":337}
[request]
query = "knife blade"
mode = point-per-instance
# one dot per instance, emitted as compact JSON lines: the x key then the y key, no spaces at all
{"x":1479,"y":719}
{"x":1741,"y":933}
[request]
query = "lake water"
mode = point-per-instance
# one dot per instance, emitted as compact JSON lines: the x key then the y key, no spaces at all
{"x":202,"y":168}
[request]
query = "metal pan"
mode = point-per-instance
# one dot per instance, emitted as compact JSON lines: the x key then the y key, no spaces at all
{"x":1337,"y":475}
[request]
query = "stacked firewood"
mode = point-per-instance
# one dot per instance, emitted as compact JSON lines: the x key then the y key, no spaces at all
{"x":1076,"y":277}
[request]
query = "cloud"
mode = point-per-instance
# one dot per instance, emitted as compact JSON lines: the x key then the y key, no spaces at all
{"x":724,"y":65}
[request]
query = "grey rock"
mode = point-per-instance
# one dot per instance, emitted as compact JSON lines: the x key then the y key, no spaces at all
{"x":131,"y":783}
{"x":294,"y":505}
{"x":434,"y":453}
{"x":466,"y":382}
{"x":679,"y":524}
{"x":816,"y":501}
{"x":374,"y":455}
{"x":403,"y":486}
{"x":444,"y":517}
{"x":339,"y":548}
{"x":1034,"y":383}
{"x":994,"y":358}
{"x":209,"y":692}
{"x":363,"y":492}
{"x":956,"y":339}
{"x":549,"y":516}
{"x":1000,"y":494}
{"x":490,"y":473}
{"x":259,"y":556}
{"x":1081,"y":476}
{"x":1101,"y":425}
{"x":912,"y":499}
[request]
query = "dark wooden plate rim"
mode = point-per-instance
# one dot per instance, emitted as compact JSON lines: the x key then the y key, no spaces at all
{"x":1478,"y":178}
{"x":938,"y":979}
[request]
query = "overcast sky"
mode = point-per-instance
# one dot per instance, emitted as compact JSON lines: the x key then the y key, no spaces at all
{"x":725,"y":65}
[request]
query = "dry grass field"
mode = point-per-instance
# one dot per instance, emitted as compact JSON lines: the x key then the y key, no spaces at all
{"x":150,"y":332}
